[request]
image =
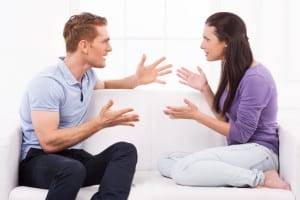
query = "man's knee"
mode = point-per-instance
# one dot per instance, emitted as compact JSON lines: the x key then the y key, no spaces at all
{"x":126,"y":149}
{"x":75,"y":170}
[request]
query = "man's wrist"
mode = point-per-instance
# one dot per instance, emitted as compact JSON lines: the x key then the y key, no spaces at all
{"x":134,"y":81}
{"x":98,"y":123}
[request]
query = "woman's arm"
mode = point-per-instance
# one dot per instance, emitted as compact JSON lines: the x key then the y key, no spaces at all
{"x":199,"y":82}
{"x":209,"y":97}
{"x":217,"y":125}
{"x":190,"y":111}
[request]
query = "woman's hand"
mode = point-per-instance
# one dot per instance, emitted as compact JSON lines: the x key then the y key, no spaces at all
{"x":197,"y":81}
{"x":190,"y":111}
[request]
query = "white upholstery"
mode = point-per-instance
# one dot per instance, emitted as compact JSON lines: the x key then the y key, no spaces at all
{"x":149,"y":185}
{"x":153,"y":135}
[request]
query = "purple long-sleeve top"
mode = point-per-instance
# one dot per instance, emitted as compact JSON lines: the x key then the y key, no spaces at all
{"x":253,"y":113}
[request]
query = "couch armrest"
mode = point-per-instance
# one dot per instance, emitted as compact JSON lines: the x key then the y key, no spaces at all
{"x":10,"y":143}
{"x":289,"y":155}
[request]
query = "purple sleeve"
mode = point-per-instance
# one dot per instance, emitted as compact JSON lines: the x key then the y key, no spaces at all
{"x":255,"y":93}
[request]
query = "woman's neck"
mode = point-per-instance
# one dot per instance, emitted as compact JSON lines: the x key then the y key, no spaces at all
{"x":254,"y":63}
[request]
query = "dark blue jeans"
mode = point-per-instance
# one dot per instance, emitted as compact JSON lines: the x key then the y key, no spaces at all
{"x":63,"y":173}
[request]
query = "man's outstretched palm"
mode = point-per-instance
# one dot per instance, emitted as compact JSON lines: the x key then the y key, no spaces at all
{"x":146,"y":74}
{"x":111,"y":118}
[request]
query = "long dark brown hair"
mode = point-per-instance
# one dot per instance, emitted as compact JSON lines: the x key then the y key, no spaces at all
{"x":237,"y":55}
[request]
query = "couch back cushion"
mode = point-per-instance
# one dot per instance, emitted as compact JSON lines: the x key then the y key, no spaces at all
{"x":155,"y":133}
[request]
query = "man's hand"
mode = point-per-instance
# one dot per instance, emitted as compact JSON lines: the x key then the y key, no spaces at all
{"x":109,"y":118}
{"x":146,"y":74}
{"x":189,"y":111}
{"x":197,"y":81}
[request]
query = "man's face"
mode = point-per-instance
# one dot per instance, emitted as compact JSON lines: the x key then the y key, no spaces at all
{"x":99,"y":48}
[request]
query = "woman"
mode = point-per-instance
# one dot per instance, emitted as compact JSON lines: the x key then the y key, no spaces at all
{"x":245,"y":106}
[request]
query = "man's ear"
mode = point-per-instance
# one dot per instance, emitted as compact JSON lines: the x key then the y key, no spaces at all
{"x":83,"y":46}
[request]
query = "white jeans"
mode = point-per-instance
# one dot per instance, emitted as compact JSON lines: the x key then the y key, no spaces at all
{"x":235,"y":165}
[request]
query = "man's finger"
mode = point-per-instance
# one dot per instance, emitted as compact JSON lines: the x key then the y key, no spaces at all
{"x":164,"y":72}
{"x":123,"y":111}
{"x":142,"y":62}
{"x":128,"y":119}
{"x":164,"y":67}
{"x":108,"y":105}
{"x":160,"y":81}
{"x":157,"y":62}
{"x":166,"y":112}
{"x":127,"y":124}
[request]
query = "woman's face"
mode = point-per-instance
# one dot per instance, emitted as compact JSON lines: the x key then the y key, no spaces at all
{"x":212,"y":46}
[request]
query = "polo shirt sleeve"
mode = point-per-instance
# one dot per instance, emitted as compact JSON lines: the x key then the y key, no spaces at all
{"x":100,"y":83}
{"x":45,"y":94}
{"x":255,"y":94}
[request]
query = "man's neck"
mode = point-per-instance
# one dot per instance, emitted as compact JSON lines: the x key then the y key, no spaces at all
{"x":76,"y":65}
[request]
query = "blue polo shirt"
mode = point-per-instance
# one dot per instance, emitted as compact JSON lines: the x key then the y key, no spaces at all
{"x":55,"y":90}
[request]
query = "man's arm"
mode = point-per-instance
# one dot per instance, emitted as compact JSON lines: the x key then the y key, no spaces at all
{"x":129,"y":82}
{"x":53,"y":139}
{"x":145,"y":74}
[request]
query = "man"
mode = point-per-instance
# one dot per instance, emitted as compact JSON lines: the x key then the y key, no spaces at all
{"x":53,"y":114}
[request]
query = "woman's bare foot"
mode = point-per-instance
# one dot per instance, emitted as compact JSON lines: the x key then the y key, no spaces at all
{"x":272,"y":180}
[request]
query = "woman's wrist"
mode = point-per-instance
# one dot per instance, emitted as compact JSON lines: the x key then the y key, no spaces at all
{"x":198,"y":116}
{"x":204,"y":88}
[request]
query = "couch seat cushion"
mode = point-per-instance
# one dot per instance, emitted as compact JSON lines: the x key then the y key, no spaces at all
{"x":149,"y":185}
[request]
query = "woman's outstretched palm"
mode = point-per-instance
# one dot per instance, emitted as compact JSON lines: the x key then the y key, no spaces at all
{"x":195,"y":80}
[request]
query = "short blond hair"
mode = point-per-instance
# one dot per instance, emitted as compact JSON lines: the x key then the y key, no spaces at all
{"x":81,"y":26}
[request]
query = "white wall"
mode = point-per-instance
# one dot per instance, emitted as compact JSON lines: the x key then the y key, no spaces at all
{"x":31,"y":38}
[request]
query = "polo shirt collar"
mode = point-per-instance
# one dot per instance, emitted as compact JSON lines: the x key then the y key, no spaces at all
{"x":70,"y":79}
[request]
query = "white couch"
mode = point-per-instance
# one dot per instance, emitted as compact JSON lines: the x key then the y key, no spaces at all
{"x":153,"y":135}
